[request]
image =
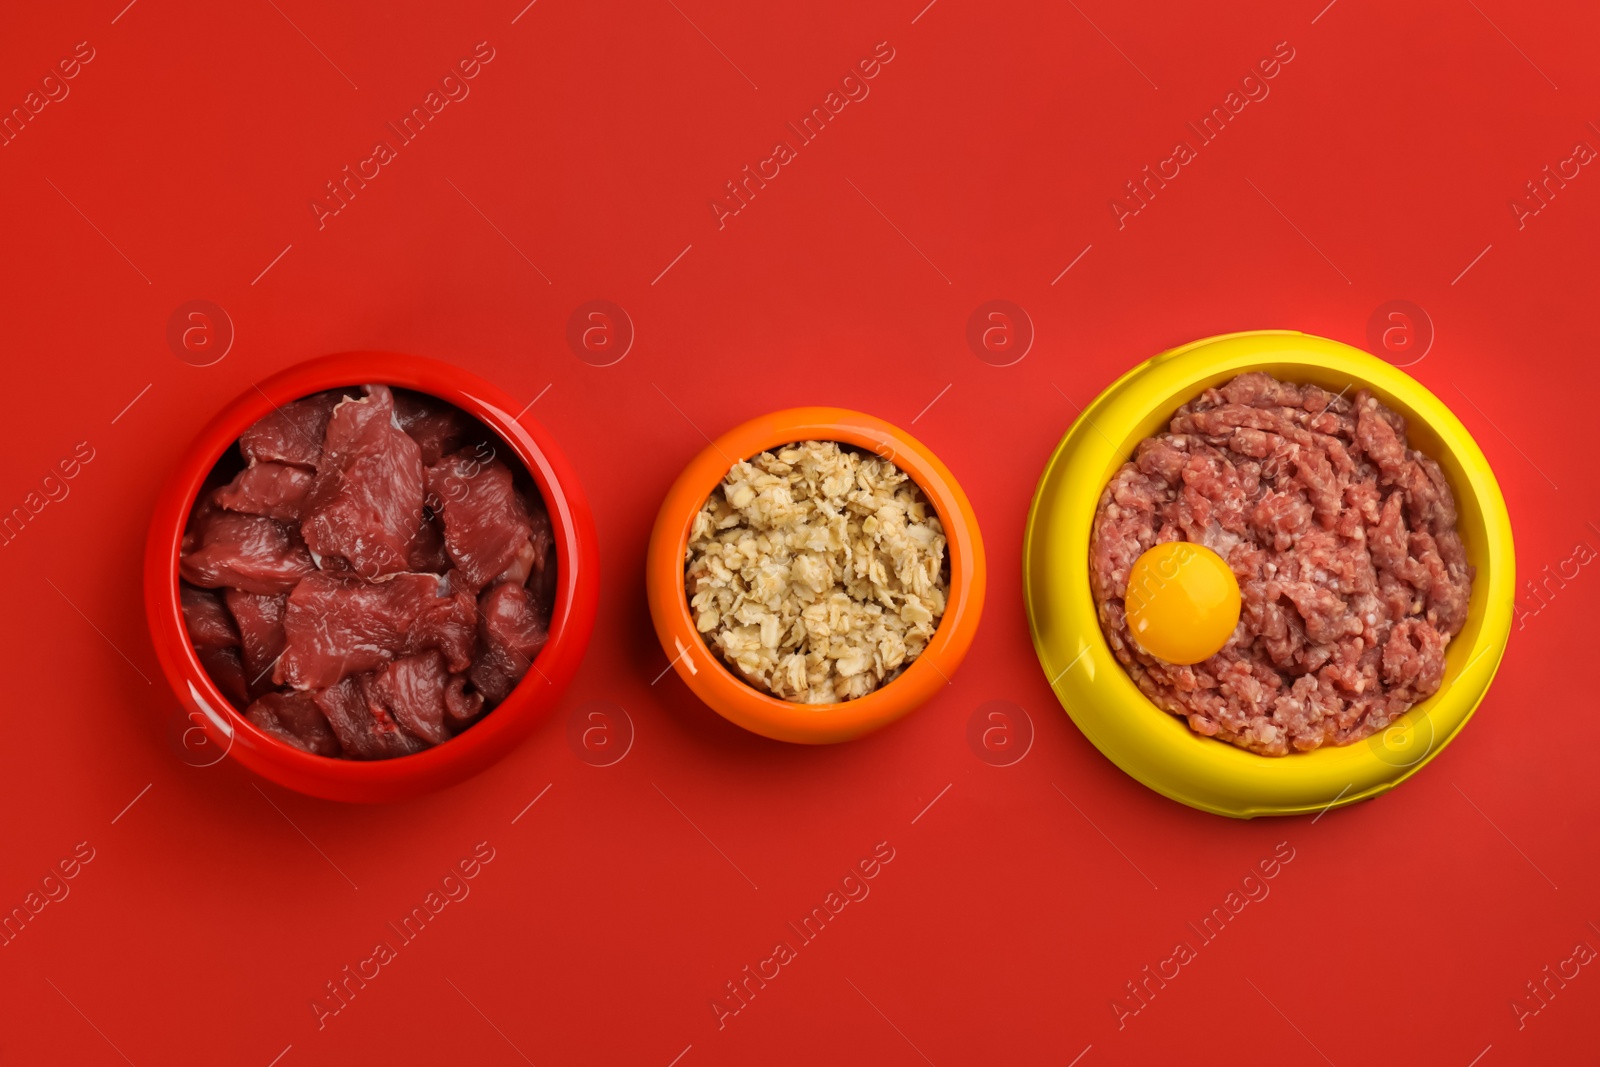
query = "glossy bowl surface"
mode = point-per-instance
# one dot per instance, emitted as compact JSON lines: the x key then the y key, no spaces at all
{"x":1159,"y":749}
{"x":705,"y":672}
{"x":577,"y":555}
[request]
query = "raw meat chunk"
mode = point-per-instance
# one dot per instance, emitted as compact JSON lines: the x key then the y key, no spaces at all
{"x":205,"y":618}
{"x":448,"y":623}
{"x":491,"y":681}
{"x":331,"y":586}
{"x":541,"y":581}
{"x":413,"y":689}
{"x":338,"y":625}
{"x":364,"y":726}
{"x":461,"y":708}
{"x":275,"y":490}
{"x":296,"y":719}
{"x":292,"y":434}
{"x":521,"y":565}
{"x":225,"y":668}
{"x":261,"y":636}
{"x":532,"y":565}
{"x":427,"y":547}
{"x":437,"y":428}
{"x":485,"y":523}
{"x":249,"y":552}
{"x":513,"y":633}
{"x":216,"y":641}
{"x":366,"y":503}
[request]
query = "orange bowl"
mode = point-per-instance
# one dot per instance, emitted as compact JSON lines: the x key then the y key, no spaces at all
{"x":705,"y":672}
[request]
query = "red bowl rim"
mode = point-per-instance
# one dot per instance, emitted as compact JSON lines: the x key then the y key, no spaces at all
{"x":493,"y":736}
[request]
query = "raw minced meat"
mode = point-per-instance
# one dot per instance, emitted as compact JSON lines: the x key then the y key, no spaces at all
{"x":817,"y":572}
{"x":1352,"y":575}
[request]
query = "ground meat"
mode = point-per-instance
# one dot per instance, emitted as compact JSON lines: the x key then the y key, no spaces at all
{"x":1343,"y":539}
{"x":364,"y":577}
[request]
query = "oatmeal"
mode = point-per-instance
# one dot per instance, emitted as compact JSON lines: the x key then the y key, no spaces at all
{"x":817,"y":572}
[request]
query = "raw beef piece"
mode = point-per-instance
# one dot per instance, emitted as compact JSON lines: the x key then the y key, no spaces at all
{"x":490,"y":682}
{"x":485,"y":523}
{"x":533,"y":565}
{"x":295,"y":718}
{"x":521,"y":565}
{"x":335,"y":580}
{"x":461,"y":708}
{"x":340,"y":625}
{"x":541,"y":581}
{"x":205,"y":618}
{"x":224,"y":667}
{"x":427,"y":547}
{"x":275,"y":490}
{"x":249,"y":552}
{"x":216,"y":642}
{"x":292,"y":434}
{"x":366,"y":503}
{"x":513,"y":633}
{"x":437,"y":428}
{"x":413,"y":690}
{"x":261,"y":637}
{"x":364,"y":726}
{"x":448,"y":622}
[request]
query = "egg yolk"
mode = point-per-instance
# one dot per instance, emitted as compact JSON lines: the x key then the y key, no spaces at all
{"x":1182,"y":603}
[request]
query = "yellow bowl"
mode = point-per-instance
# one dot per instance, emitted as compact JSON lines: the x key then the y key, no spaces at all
{"x":1158,"y":748}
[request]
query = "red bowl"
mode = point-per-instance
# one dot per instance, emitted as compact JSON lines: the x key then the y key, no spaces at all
{"x":577,"y":563}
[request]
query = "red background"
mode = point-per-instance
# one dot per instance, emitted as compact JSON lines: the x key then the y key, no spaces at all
{"x":1018,"y":905}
